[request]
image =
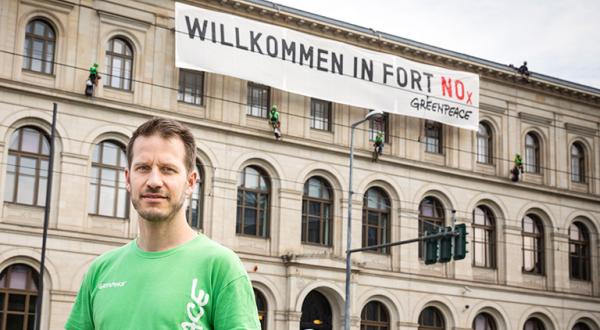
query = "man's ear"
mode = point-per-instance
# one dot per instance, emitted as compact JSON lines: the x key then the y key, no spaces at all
{"x":127,"y":180}
{"x":191,"y":182}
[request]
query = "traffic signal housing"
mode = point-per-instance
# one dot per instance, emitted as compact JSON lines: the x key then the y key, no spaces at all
{"x":446,"y":245}
{"x":460,"y":241}
{"x":430,"y":248}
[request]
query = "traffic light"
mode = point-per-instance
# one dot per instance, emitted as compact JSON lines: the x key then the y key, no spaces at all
{"x":460,"y":241}
{"x":446,"y":245}
{"x":430,"y":248}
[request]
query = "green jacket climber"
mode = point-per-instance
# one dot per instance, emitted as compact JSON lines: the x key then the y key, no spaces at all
{"x":274,"y":114}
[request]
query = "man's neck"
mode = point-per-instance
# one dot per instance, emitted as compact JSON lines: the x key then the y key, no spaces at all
{"x":164,"y":235}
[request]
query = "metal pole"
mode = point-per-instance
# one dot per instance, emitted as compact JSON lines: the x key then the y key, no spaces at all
{"x":349,"y":230}
{"x":40,"y":297}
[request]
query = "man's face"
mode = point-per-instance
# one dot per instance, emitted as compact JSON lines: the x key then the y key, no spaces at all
{"x":157,"y":178}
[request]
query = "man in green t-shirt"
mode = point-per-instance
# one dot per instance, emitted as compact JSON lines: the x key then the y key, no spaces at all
{"x":170,"y":277}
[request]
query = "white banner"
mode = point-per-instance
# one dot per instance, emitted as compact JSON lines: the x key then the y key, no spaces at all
{"x":317,"y":67}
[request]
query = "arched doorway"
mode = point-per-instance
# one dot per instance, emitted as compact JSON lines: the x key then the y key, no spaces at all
{"x":316,"y":312}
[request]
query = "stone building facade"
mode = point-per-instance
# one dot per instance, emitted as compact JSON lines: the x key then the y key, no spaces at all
{"x":534,"y":247}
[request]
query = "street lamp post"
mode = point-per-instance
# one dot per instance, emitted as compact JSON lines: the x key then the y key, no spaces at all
{"x":371,"y":115}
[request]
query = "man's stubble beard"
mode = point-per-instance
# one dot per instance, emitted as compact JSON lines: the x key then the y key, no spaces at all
{"x":155,"y":217}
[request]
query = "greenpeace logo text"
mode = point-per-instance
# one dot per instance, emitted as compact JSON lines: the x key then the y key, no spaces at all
{"x":109,"y":285}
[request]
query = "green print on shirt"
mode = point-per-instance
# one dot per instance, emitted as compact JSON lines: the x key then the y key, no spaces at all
{"x":197,"y":285}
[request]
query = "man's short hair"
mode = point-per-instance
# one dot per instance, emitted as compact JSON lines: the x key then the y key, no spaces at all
{"x":166,"y":128}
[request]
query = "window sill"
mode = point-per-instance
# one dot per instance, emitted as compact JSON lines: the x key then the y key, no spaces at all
{"x":25,"y":205}
{"x":252,"y":236}
{"x":318,"y":245}
{"x":106,"y":216}
{"x":40,"y":73}
{"x":116,"y":89}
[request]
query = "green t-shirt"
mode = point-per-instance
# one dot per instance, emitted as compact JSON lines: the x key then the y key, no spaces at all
{"x":197,"y":285}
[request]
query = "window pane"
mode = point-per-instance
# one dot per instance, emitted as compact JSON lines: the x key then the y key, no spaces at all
{"x":16,"y":302}
{"x":108,"y":177}
{"x":32,"y":302}
{"x":127,"y":75}
{"x":14,"y":321}
{"x":109,"y":153}
{"x":31,"y":140}
{"x":121,"y":203}
{"x":252,"y":177}
{"x":250,"y":222}
{"x":92,"y":198}
{"x":26,"y":189}
{"x":118,"y":46}
{"x":39,"y":28}
{"x":107,"y":201}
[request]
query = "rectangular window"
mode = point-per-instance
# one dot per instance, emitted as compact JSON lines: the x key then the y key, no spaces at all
{"x":379,"y":124}
{"x":320,"y":114}
{"x":259,"y":99}
{"x":433,"y":137}
{"x":191,"y":87}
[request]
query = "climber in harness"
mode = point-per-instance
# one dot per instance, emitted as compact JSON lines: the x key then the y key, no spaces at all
{"x":517,"y":169}
{"x":378,"y":145}
{"x":274,"y":121}
{"x":92,"y":81}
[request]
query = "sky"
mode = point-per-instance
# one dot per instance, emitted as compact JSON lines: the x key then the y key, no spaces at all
{"x":558,"y":38}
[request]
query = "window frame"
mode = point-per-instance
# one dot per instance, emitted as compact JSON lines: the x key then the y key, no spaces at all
{"x":240,"y":216}
{"x":30,"y":37}
{"x":535,"y":148}
{"x":578,"y":161}
{"x":431,"y":220}
{"x":39,"y":158}
{"x":189,"y":212}
{"x":437,"y":315}
{"x":262,"y":313}
{"x":385,"y":127}
{"x":537,"y":251}
{"x":381,"y":323}
{"x":434,"y":131}
{"x":252,"y":107}
{"x":325,"y":120}
{"x":110,"y":56}
{"x":488,"y":157}
{"x":489,"y":240}
{"x":31,"y":281}
{"x":490,"y":321}
{"x":384,"y":221}
{"x":582,"y":245}
{"x":324,"y":239}
{"x":197,"y":87}
{"x":98,"y":184}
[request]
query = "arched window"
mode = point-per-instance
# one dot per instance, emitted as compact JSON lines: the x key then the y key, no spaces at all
{"x":533,"y":245}
{"x":253,"y":203}
{"x":579,"y":252}
{"x":484,"y":321}
{"x":317,"y":211}
{"x":534,"y":324}
{"x":431,"y":319}
{"x":374,"y":316}
{"x":27,"y":167}
{"x":484,"y":238}
{"x":316,"y":312}
{"x":376,"y":219}
{"x":18,"y":296}
{"x":532,"y":153}
{"x":577,"y":163}
{"x":484,"y":144}
{"x":39,"y":48}
{"x":108,"y":194}
{"x":581,"y":326}
{"x":261,"y":306}
{"x":195,"y":201}
{"x":431,"y":217}
{"x":433,"y":137}
{"x":119,"y":64}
